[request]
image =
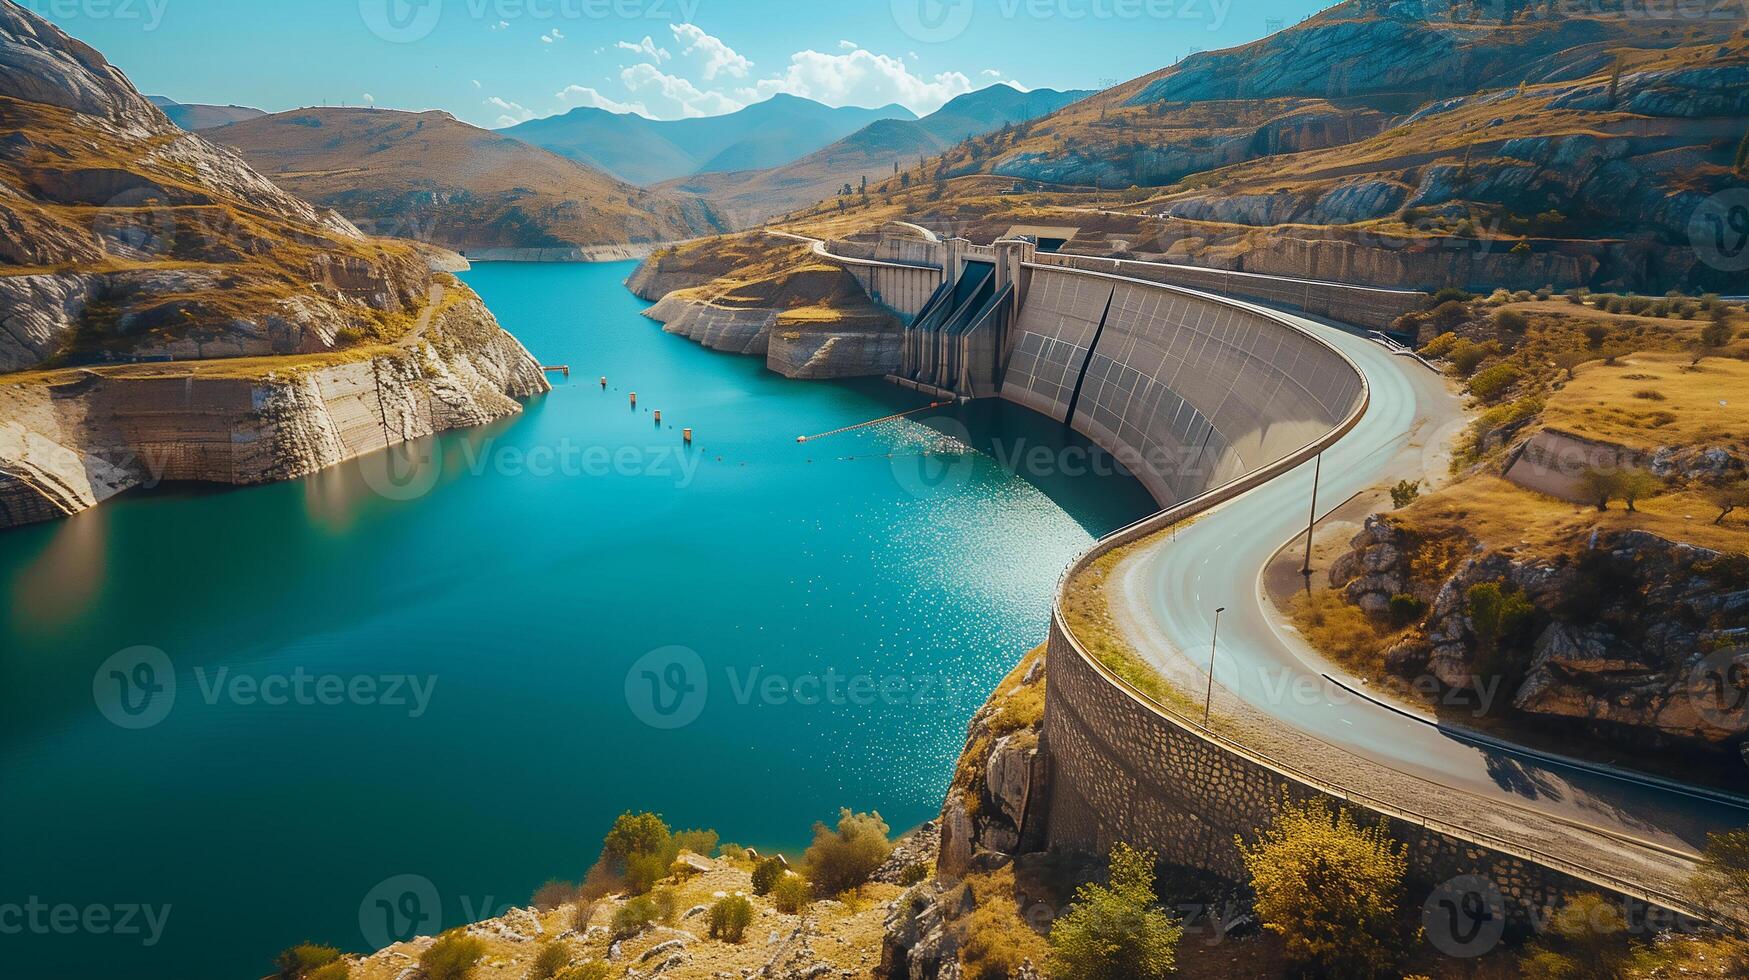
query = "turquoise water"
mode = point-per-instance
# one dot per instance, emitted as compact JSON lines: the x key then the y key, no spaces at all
{"x":491,"y":643}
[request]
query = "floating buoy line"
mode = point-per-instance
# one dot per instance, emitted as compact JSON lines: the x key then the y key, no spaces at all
{"x":864,"y":425}
{"x":686,"y":433}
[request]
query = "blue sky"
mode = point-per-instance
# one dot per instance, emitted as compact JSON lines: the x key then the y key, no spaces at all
{"x":496,"y":62}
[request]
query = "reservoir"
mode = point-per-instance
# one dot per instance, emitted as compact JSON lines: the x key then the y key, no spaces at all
{"x":455,"y":662}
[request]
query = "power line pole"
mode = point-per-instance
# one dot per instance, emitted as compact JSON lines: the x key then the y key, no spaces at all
{"x":1312,"y":522}
{"x":1209,"y":698}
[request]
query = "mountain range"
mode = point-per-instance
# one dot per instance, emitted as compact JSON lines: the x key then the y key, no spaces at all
{"x":875,"y":151}
{"x":648,"y":151}
{"x":431,"y":177}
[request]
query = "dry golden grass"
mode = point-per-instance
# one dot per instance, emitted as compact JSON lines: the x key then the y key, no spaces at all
{"x":1340,"y":631}
{"x":1700,"y":405}
{"x":1502,"y":515}
{"x":846,"y":935}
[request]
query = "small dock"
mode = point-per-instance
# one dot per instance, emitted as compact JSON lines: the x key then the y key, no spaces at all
{"x":564,"y":369}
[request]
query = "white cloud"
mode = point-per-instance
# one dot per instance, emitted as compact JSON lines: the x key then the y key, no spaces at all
{"x":369,"y":99}
{"x":848,"y":45}
{"x":477,"y":84}
{"x":511,"y":113}
{"x":501,"y":25}
{"x":671,"y":95}
{"x":549,"y":38}
{"x":577,"y":96}
{"x":718,"y":57}
{"x":860,"y":77}
{"x":647,"y":48}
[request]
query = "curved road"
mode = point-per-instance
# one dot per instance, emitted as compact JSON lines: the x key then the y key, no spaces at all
{"x":1169,"y":595}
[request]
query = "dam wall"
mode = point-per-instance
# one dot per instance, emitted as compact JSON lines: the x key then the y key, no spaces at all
{"x":1188,"y":391}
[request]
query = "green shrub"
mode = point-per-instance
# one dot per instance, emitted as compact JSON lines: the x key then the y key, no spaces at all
{"x":303,"y":958}
{"x":1405,"y":493}
{"x":1450,"y":294}
{"x":730,"y":917}
{"x":637,"y":914}
{"x":667,"y":905}
{"x":700,"y":842}
{"x":791,"y":894}
{"x":1330,"y":889}
{"x":914,"y":874}
{"x":1116,"y":932}
{"x":549,"y":960}
{"x":1406,"y":609}
{"x":581,"y":915}
{"x":766,"y":874}
{"x":1466,"y":355}
{"x":1490,"y":384}
{"x":638,"y":850}
{"x":337,"y":970}
{"x":452,"y":957}
{"x":845,"y":858}
{"x":1440,"y":345}
{"x":1511,"y":321}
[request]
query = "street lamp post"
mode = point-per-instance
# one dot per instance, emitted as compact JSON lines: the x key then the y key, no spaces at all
{"x":1209,"y":698}
{"x":1312,"y":522}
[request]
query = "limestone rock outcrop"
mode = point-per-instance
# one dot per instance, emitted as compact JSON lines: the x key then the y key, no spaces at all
{"x":185,"y":319}
{"x":1638,"y":638}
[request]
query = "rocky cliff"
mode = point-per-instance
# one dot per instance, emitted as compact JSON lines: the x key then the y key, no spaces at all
{"x":770,"y":297}
{"x":1637,"y":637}
{"x":168,"y":313}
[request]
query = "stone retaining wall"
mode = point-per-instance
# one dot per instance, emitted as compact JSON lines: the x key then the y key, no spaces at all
{"x":1119,"y":770}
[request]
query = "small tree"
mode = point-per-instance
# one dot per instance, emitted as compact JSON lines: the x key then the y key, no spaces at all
{"x":638,"y":850}
{"x":730,"y":917}
{"x":1637,"y":484}
{"x":1496,"y":614}
{"x":766,"y":874}
{"x":1116,"y":931}
{"x":791,"y":894}
{"x":1330,"y":888}
{"x":1405,"y":493}
{"x":303,"y":959}
{"x":840,"y":860}
{"x":1728,"y":498}
{"x":1714,"y":335}
{"x":1600,"y":485}
{"x":452,"y":957}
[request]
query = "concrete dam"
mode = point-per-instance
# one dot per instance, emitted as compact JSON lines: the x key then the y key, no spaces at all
{"x":1204,"y":395}
{"x":1188,"y":391}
